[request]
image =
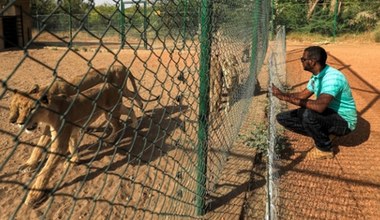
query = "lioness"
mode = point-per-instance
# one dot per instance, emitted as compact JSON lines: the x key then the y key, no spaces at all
{"x":66,"y":116}
{"x":231,"y":76}
{"x":21,"y":106}
{"x":224,"y":75}
{"x":116,"y":75}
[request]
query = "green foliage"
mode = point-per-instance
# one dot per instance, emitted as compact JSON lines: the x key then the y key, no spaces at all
{"x":73,"y":6}
{"x":177,"y":15}
{"x":258,"y":138}
{"x":233,"y":22}
{"x":161,"y":17}
{"x":103,"y":15}
{"x":42,"y":7}
{"x":357,"y":17}
{"x":293,"y":16}
{"x":321,"y":22}
{"x":354,"y":16}
{"x":56,"y":15}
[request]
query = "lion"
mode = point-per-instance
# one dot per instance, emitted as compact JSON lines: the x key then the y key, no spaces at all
{"x":21,"y":106}
{"x":116,"y":74}
{"x":231,"y":77}
{"x":66,"y":116}
{"x":216,"y":84}
{"x":224,"y":75}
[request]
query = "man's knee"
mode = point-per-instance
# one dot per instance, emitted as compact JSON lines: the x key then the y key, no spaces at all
{"x":309,"y":116}
{"x":281,"y":118}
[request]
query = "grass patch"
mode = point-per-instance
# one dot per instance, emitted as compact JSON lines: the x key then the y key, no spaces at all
{"x":307,"y":37}
{"x":367,"y":37}
{"x":259,"y":138}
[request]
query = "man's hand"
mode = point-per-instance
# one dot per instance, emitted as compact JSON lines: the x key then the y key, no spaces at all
{"x":277,"y":92}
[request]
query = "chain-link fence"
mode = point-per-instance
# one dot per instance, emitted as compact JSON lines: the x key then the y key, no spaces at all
{"x":277,"y":76}
{"x":194,"y":61}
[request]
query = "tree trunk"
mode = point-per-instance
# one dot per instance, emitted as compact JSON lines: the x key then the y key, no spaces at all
{"x":333,"y":5}
{"x":312,"y":5}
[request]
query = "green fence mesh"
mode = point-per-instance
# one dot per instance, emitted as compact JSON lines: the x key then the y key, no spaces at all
{"x":196,"y":60}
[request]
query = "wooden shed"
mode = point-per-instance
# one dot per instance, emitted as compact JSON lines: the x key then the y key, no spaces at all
{"x":15,"y":23}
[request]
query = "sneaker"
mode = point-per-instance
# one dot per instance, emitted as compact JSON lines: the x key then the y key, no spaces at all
{"x":316,"y":154}
{"x":332,"y":137}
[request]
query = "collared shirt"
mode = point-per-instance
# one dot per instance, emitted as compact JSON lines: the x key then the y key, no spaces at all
{"x":331,"y":81}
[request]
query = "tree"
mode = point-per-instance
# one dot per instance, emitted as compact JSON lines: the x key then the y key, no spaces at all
{"x":46,"y":7}
{"x":74,"y":6}
{"x":42,"y":7}
{"x":319,"y":16}
{"x":177,"y":13}
{"x":312,"y":4}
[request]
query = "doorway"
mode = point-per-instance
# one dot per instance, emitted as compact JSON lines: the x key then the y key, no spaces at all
{"x":10,"y":31}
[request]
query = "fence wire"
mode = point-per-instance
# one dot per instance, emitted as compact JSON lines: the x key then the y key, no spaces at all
{"x":277,"y":76}
{"x":110,"y":59}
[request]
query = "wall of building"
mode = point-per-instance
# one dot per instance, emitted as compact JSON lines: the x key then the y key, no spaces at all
{"x":22,"y":9}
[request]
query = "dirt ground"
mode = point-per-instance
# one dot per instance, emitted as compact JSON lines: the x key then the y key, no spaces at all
{"x":150,"y":169}
{"x":115,"y":182}
{"x":348,"y":186}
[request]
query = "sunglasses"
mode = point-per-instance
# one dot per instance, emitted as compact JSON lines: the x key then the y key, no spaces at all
{"x":304,"y":59}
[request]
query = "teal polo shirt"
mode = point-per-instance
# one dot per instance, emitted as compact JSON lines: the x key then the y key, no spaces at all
{"x":331,"y":81}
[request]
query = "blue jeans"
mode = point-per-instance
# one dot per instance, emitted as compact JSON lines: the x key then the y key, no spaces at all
{"x":316,"y":125}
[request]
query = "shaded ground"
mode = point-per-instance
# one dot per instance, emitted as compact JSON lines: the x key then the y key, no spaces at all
{"x":146,"y":170}
{"x":151,"y":173}
{"x":348,"y":186}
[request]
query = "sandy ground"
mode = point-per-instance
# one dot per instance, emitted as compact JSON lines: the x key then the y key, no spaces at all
{"x":149,"y":172}
{"x":348,"y":186}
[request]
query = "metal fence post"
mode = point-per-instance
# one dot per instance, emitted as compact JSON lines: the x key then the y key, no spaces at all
{"x":145,"y":38}
{"x":70,"y":25}
{"x":335,"y":19}
{"x":122,"y":24}
{"x":272,"y":18}
{"x":184,"y":20}
{"x":204,"y":100}
{"x":255,"y":38}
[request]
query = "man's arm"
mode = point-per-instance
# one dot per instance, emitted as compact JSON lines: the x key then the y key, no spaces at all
{"x":302,"y":99}
{"x":304,"y":94}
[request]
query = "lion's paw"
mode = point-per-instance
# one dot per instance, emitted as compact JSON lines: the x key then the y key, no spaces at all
{"x":75,"y":158}
{"x":35,"y":198}
{"x":27,"y":168}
